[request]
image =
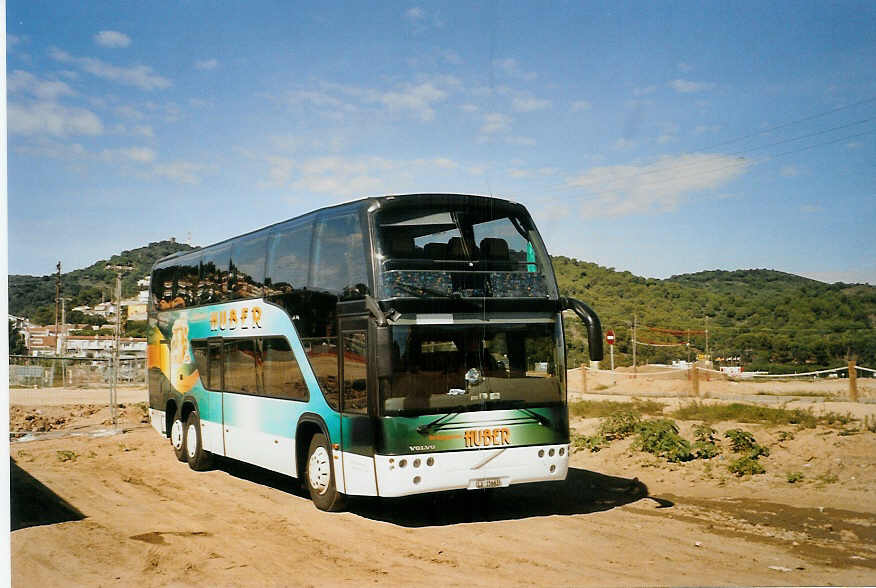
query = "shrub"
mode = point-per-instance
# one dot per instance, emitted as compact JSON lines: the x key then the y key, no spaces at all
{"x":745,"y":413}
{"x":743,"y":441}
{"x":705,"y":445}
{"x":785,"y":436}
{"x":746,"y":466}
{"x":619,"y":425}
{"x":794,"y":477}
{"x":660,"y":437}
{"x":593,"y":443}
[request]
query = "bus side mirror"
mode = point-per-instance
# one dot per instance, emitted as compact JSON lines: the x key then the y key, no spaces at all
{"x":591,"y":321}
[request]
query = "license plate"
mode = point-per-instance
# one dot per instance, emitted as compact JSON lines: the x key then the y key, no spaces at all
{"x":488,"y":483}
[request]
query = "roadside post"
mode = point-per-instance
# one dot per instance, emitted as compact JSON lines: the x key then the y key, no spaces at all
{"x":609,"y":338}
{"x":853,"y":381}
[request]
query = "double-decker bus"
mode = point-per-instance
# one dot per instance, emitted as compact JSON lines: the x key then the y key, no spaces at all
{"x":383,"y":347}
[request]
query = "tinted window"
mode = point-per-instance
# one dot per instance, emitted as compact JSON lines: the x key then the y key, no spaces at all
{"x":282,"y":376}
{"x":214,"y":357}
{"x":355,"y":373}
{"x":240,"y":366}
{"x":199,"y":350}
{"x":323,"y":355}
{"x":248,"y":266}
{"x":213,"y":286}
{"x":289,"y":258}
{"x":187,"y":279}
{"x":339,"y":263}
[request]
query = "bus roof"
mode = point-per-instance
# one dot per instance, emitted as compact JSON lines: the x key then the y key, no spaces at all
{"x":367,"y":202}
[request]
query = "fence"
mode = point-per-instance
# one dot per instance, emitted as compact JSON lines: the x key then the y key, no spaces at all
{"x":44,"y":372}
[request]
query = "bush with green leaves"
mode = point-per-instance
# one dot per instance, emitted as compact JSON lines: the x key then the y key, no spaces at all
{"x":660,"y":437}
{"x":744,"y":442}
{"x":592,"y":443}
{"x":705,"y":444}
{"x":746,"y":466}
{"x":619,"y":425}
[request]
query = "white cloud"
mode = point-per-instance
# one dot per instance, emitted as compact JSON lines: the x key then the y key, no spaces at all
{"x":644,"y":91}
{"x":512,"y":69}
{"x":469,"y":108}
{"x":661,"y":186}
{"x":701,"y":129}
{"x":417,"y":99}
{"x":666,"y":138}
{"x":135,"y":154}
{"x":684,"y":67}
{"x":415,"y":14}
{"x":12,"y":41}
{"x":529,"y":104}
{"x":623,"y":144}
{"x":26,"y":82}
{"x":688,"y":87}
{"x":581,"y":106}
{"x":49,"y":118}
{"x":112,"y":39}
{"x":810,"y":208}
{"x":789,"y":171}
{"x":495,"y":122}
{"x":521,"y":141}
{"x":141,"y":76}
{"x":206,"y":64}
{"x":128,"y":111}
{"x":184,"y":172}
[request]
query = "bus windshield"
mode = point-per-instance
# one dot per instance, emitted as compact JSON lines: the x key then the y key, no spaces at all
{"x":455,"y":368}
{"x":467,"y":251}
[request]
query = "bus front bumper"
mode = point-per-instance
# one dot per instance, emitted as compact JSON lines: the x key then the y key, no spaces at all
{"x":402,"y":475}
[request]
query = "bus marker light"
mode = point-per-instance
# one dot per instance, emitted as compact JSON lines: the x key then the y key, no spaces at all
{"x":430,"y":461}
{"x":416,"y":463}
{"x":335,"y":446}
{"x":416,"y":479}
{"x":541,"y":452}
{"x":551,"y":452}
{"x":402,"y":463}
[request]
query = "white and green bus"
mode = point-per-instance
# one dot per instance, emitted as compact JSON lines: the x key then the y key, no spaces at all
{"x":384,"y":347}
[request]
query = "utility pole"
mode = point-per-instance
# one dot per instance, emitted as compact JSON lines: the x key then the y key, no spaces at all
{"x":635,"y":324}
{"x":119,"y":271}
{"x":57,"y":302}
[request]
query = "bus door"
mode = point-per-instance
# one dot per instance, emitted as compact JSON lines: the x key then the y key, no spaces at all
{"x":357,"y":426}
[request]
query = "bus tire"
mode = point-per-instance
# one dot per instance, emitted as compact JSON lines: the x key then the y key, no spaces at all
{"x":199,"y":460}
{"x":178,"y":437}
{"x":321,"y":477}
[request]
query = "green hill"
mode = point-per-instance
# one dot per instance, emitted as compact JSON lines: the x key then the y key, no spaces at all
{"x":34,"y":296}
{"x":772,"y":320}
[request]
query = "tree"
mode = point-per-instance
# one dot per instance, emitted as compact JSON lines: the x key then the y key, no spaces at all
{"x":16,"y":341}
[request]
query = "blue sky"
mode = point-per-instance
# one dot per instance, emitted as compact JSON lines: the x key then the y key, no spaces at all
{"x":659,"y":138}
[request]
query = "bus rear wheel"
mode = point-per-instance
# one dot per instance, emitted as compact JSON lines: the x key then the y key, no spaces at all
{"x":320,"y":476}
{"x":199,"y":460}
{"x":178,"y":437}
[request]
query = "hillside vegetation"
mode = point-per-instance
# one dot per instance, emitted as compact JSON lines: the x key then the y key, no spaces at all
{"x":34,"y":296}
{"x":771,"y":320}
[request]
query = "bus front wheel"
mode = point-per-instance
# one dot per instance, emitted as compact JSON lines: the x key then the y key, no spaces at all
{"x":198,"y":459}
{"x":178,"y":437}
{"x":321,"y":477}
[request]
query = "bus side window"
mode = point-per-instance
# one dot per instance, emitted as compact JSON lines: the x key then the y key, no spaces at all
{"x":240,"y":366}
{"x":199,"y":350}
{"x":339,"y":264}
{"x":281,"y":374}
{"x":288,"y":259}
{"x":187,"y":276}
{"x":213,"y":284}
{"x":323,"y":355}
{"x":248,"y":266}
{"x":355,"y":372}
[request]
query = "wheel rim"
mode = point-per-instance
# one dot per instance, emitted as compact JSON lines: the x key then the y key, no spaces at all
{"x":192,"y":440}
{"x":318,"y":470}
{"x":176,"y":434}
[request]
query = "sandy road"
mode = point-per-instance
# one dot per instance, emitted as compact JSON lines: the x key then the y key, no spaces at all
{"x":121,"y":510}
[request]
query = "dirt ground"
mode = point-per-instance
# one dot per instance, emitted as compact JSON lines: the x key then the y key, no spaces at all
{"x":94,"y":508}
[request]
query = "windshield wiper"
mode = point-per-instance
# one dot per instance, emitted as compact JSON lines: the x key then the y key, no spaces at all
{"x":436,"y":424}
